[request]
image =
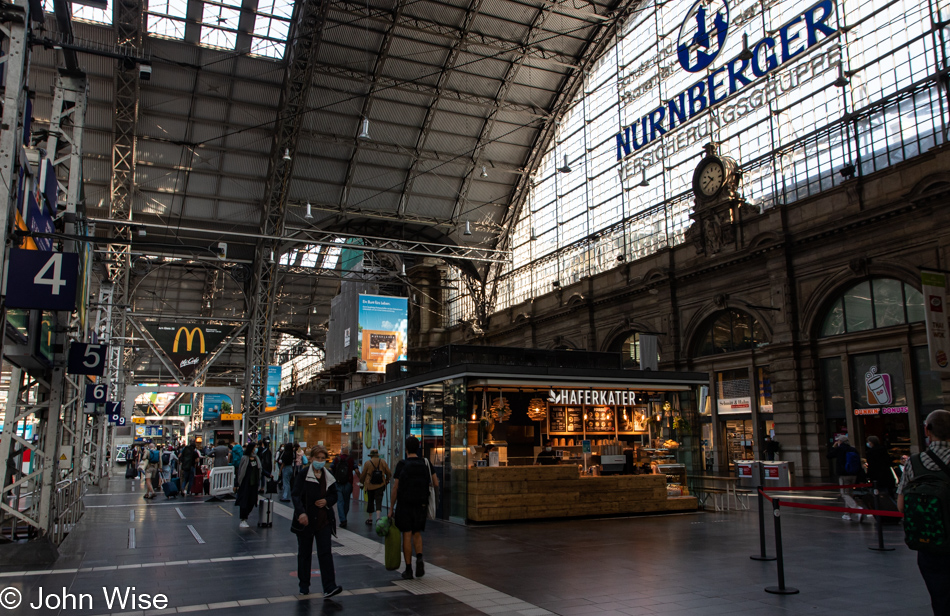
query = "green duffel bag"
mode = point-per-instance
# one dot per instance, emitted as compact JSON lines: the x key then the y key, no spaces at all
{"x":393,"y":548}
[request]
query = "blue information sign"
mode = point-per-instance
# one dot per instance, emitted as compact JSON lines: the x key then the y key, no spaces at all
{"x":42,"y":280}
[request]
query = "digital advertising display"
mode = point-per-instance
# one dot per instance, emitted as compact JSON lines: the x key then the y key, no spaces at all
{"x":381,"y":337}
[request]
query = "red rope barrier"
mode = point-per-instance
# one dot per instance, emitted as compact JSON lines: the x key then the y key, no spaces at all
{"x":874,"y":512}
{"x":808,"y":488}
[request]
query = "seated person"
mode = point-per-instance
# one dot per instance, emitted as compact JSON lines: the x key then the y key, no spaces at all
{"x":547,"y":456}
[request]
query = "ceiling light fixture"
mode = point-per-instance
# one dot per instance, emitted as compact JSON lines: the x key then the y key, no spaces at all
{"x":484,"y":172}
{"x":403,"y":269}
{"x":364,"y":132}
{"x":287,"y":154}
{"x":566,"y":168}
{"x":644,"y":181}
{"x":842,"y":81}
{"x":309,"y":214}
{"x":746,"y":54}
{"x":468,"y":228}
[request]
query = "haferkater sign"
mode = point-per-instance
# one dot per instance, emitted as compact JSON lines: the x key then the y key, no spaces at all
{"x":592,"y":397}
{"x":934,"y":289}
{"x":185,"y":344}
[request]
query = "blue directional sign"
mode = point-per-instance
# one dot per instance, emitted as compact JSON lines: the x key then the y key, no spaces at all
{"x":87,"y":359}
{"x":42,"y":280}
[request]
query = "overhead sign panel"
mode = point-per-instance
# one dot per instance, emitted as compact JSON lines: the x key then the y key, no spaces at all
{"x":187,"y":344}
{"x":42,"y":280}
{"x":383,"y":326}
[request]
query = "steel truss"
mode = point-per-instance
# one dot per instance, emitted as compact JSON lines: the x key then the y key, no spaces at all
{"x":306,"y":34}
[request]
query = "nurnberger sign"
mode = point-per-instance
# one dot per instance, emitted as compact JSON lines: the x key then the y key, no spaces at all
{"x":702,"y":37}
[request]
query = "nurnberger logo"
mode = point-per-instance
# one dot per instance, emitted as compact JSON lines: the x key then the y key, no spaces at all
{"x":703,"y":32}
{"x":189,"y":339}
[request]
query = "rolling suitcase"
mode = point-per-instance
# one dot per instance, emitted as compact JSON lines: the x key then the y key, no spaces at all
{"x":170,"y":488}
{"x":130,"y":471}
{"x":198,"y":485}
{"x":265,"y":509}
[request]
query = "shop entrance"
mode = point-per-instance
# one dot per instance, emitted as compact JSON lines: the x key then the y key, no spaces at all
{"x":739,"y":440}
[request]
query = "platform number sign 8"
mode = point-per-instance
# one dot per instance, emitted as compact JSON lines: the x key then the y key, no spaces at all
{"x":97,"y":393}
{"x":42,"y":280}
{"x":87,"y":359}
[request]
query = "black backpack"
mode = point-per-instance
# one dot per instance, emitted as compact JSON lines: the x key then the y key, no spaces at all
{"x":414,"y":480}
{"x":927,"y":507}
{"x":376,"y":477}
{"x":341,"y":470}
{"x":166,"y":459}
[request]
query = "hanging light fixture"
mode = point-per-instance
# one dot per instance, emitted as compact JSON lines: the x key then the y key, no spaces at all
{"x":566,"y":168}
{"x":746,"y":54}
{"x":644,"y":181}
{"x":287,"y":154}
{"x":309,"y":214}
{"x":537,"y":410}
{"x":468,"y":228}
{"x":364,"y":133}
{"x":484,"y":172}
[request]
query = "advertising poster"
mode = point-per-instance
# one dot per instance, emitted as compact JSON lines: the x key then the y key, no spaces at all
{"x":273,"y":389}
{"x":187,"y":345}
{"x":213,"y":405}
{"x":381,"y":335}
{"x":934,"y":289}
{"x":346,"y":423}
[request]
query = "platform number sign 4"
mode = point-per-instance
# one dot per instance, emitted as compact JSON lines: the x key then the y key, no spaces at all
{"x":42,"y":280}
{"x":97,"y":393}
{"x":87,"y":359}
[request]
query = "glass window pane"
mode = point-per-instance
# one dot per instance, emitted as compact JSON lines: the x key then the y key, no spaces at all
{"x":834,"y":321}
{"x":631,"y":351}
{"x":832,"y":388}
{"x":857,"y":308}
{"x":915,"y":304}
{"x":888,"y":302}
{"x":741,"y":331}
{"x":722,"y":334}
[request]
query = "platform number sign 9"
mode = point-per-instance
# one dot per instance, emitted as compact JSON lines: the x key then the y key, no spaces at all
{"x":87,"y":359}
{"x":42,"y":280}
{"x":97,"y":393}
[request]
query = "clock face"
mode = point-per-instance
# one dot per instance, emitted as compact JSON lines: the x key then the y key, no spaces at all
{"x":711,"y":178}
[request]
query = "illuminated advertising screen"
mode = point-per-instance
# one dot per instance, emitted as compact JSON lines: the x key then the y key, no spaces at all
{"x":381,"y":337}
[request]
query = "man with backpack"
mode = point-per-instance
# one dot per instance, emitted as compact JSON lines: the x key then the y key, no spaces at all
{"x":188,"y":461}
{"x":412,"y":479}
{"x":374,"y":477}
{"x":847,"y":466}
{"x":343,"y":469}
{"x":153,"y":468}
{"x":923,"y":496}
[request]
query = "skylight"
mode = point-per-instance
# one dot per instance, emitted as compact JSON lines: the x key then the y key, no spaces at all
{"x":97,"y":16}
{"x":166,"y":18}
{"x":271,"y":27}
{"x":219,"y":23}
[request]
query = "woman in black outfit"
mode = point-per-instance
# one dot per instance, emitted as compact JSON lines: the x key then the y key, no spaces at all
{"x":879,"y":466}
{"x":248,"y":480}
{"x":314,"y":495}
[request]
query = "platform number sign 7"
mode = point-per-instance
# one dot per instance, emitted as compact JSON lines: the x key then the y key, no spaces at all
{"x":97,"y":393}
{"x":42,"y":280}
{"x":87,"y":359}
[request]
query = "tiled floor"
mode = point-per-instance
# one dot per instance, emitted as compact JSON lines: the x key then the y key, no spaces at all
{"x":666,"y":565}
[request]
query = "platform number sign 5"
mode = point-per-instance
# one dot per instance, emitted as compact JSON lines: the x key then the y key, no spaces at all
{"x":97,"y":393}
{"x":87,"y":359}
{"x":42,"y":280}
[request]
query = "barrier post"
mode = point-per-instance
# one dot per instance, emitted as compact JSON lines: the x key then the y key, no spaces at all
{"x":761,"y":555}
{"x":879,"y":522}
{"x":781,"y":589}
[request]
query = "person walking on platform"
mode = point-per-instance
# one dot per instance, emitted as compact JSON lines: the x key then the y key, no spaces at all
{"x":222,"y":455}
{"x":374,"y":476}
{"x":879,"y":466}
{"x":314,"y":495}
{"x":267,"y":462}
{"x":847,"y":465}
{"x":343,"y":469}
{"x":934,"y":565}
{"x":771,"y":448}
{"x":287,"y":458}
{"x":248,"y":480}
{"x":153,"y":465}
{"x":412,"y":479}
{"x":188,"y":462}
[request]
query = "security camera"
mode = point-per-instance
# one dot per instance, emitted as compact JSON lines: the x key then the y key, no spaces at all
{"x":145,"y":72}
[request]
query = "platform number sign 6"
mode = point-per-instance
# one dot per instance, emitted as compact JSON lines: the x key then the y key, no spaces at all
{"x":87,"y":359}
{"x":97,"y":393}
{"x":42,"y":280}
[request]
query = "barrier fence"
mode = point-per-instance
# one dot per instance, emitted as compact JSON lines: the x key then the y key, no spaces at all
{"x":777,"y":504}
{"x":221,"y":483}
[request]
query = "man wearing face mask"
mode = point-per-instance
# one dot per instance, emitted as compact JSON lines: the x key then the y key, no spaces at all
{"x":314,"y":494}
{"x":547,"y":456}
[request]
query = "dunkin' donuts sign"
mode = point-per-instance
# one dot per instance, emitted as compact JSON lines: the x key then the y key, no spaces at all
{"x":879,"y":394}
